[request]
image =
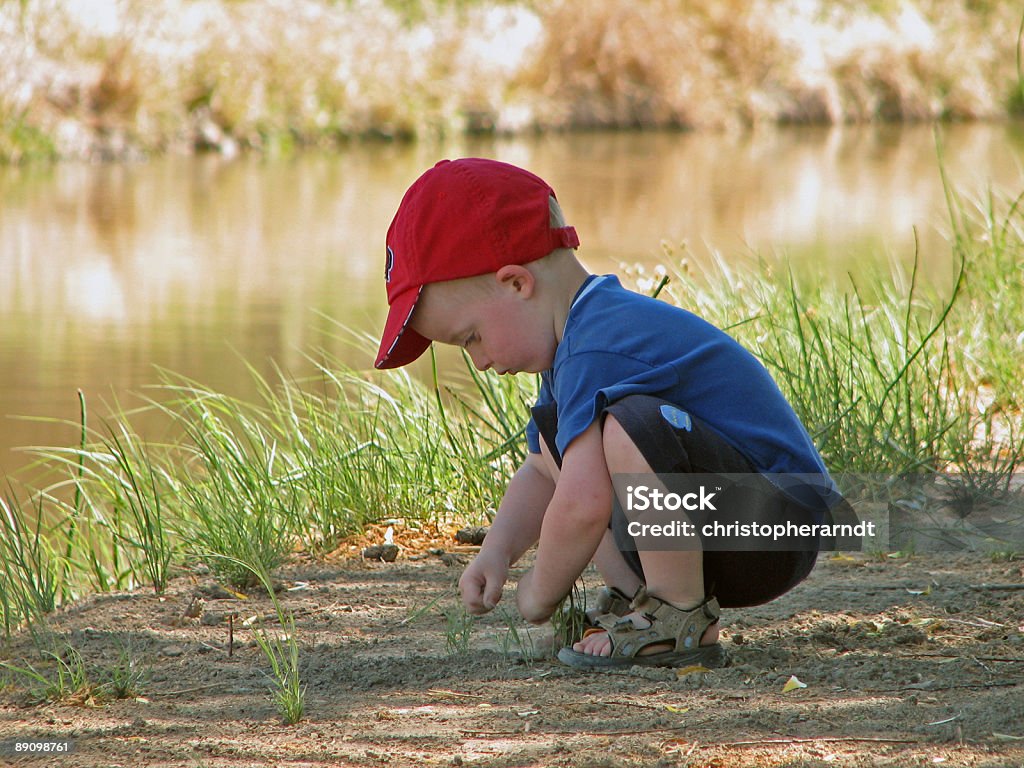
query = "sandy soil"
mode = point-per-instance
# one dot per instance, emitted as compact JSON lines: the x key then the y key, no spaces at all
{"x":908,"y":661}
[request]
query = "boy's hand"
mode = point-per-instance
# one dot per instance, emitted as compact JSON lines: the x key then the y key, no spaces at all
{"x":514,"y":530}
{"x":482,"y":582}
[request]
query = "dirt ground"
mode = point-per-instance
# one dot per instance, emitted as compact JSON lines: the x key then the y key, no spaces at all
{"x":907,"y":661}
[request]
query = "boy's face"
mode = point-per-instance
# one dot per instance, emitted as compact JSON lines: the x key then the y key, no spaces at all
{"x":495,"y":321}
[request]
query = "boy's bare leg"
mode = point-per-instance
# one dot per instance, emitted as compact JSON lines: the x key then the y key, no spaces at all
{"x":675,"y":577}
{"x":613,"y":567}
{"x":608,"y":561}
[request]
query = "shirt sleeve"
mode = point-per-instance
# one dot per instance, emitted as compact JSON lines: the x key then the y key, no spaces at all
{"x":585,"y":383}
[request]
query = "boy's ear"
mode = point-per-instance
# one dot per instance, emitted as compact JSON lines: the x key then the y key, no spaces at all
{"x":518,"y":278}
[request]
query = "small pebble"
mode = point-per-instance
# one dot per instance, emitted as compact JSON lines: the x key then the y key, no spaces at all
{"x":473,"y":535}
{"x":386,"y":552}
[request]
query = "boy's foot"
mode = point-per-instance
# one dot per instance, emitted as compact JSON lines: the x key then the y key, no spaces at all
{"x":599,"y":643}
{"x":656,"y":633}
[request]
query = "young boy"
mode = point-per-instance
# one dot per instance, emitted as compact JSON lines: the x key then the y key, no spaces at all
{"x":478,"y":256}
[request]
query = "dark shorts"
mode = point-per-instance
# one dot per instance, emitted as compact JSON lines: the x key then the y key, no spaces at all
{"x":737,"y":579}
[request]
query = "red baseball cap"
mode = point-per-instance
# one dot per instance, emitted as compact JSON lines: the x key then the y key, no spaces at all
{"x":461,"y":218}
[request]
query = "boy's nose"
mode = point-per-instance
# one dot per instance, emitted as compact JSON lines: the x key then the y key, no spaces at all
{"x":481,"y":363}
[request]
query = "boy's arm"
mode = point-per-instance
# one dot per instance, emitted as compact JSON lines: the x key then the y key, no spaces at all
{"x":573,"y":525}
{"x":514,"y":530}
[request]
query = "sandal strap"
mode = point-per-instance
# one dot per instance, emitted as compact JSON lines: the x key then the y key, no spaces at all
{"x":684,"y":626}
{"x":612,"y":603}
{"x":613,"y":600}
{"x":669,"y":624}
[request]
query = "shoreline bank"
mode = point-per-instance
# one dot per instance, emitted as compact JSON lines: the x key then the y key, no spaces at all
{"x":117,"y":79}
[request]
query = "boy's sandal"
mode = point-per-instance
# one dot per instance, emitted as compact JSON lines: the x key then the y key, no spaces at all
{"x":612,"y":604}
{"x":682,"y":628}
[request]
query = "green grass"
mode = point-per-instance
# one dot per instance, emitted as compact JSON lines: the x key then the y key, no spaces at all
{"x":247,"y":484}
{"x":282,"y":652}
{"x":866,"y":375}
{"x":894,"y":375}
{"x":30,"y":573}
{"x":570,"y":618}
{"x":126,"y":677}
{"x":123,"y":480}
{"x":64,"y":678}
{"x":517,"y":638}
{"x":62,"y":674}
{"x":238,"y":498}
{"x":458,"y":629}
{"x":280,"y":649}
{"x":22,"y":142}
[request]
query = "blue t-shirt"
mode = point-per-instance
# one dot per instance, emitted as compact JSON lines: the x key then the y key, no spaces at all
{"x":617,"y":342}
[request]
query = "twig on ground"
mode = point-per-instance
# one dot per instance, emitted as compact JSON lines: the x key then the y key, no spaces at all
{"x":816,"y":740}
{"x":443,"y":692}
{"x":981,"y":664}
{"x":520,"y":732}
{"x":186,"y":690}
{"x":874,"y":587}
{"x":995,"y":586}
{"x":957,"y":656}
{"x":921,"y":687}
{"x":979,"y":622}
{"x":636,"y":704}
{"x":954,"y":718}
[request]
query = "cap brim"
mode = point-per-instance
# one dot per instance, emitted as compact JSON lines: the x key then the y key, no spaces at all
{"x":400,"y":344}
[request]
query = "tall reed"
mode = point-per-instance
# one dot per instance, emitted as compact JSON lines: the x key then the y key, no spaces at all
{"x":280,"y":649}
{"x":118,"y":503}
{"x":30,"y":570}
{"x":893,"y":374}
{"x":235,"y":485}
{"x":303,"y":464}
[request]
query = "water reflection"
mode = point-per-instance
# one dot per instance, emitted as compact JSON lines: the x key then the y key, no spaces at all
{"x":108,"y":271}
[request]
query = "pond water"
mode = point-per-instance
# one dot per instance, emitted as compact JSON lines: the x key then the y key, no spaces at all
{"x":199,"y":265}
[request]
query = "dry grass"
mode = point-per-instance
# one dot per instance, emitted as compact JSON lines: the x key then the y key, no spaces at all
{"x":112,"y":77}
{"x":714,"y":64}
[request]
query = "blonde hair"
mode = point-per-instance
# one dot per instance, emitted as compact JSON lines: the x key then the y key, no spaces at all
{"x":556,"y":219}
